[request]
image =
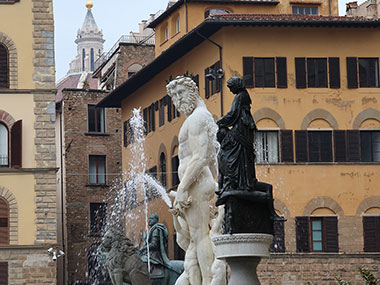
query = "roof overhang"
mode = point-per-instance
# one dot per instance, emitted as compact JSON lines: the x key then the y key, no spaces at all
{"x":209,"y":27}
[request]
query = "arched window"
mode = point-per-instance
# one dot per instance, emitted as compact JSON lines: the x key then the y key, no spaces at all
{"x":4,"y":222}
{"x":4,"y":67}
{"x":215,"y":11}
{"x":83,"y":59}
{"x":92,"y":59}
{"x":175,"y":164}
{"x":3,"y":145}
{"x":163,"y":168}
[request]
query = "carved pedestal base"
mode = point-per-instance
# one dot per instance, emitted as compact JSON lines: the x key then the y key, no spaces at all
{"x":243,"y":253}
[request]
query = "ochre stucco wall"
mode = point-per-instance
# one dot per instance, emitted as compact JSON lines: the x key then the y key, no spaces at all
{"x":19,"y":107}
{"x":22,"y":36}
{"x":22,"y":187}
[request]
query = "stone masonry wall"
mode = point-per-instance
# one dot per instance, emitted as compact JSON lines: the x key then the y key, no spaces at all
{"x":78,"y":145}
{"x":130,"y":54}
{"x":316,"y":269}
{"x":44,"y":111}
{"x":28,"y":265}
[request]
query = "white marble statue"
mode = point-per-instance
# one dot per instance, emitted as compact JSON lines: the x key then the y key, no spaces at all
{"x":197,"y":153}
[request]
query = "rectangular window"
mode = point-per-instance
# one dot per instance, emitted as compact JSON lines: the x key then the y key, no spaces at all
{"x":212,"y":79}
{"x":371,"y":231}
{"x":95,"y":119}
{"x":161,"y":111}
{"x":264,"y":72}
{"x":320,"y":146}
{"x":97,"y":218}
{"x":370,"y":145}
{"x":319,"y":234}
{"x":302,"y":10}
{"x":266,"y":146}
{"x":128,"y":136}
{"x":317,"y":73}
{"x":175,"y":164}
{"x":368,"y":72}
{"x":97,"y":169}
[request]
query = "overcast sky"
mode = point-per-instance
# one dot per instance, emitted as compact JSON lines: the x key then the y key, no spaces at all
{"x":114,"y":17}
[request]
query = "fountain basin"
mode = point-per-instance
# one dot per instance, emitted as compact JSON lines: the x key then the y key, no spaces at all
{"x":243,"y":253}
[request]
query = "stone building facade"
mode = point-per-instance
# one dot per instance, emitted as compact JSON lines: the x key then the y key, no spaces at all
{"x":28,"y":166}
{"x":91,"y":161}
{"x":315,"y":97}
{"x":368,"y":9}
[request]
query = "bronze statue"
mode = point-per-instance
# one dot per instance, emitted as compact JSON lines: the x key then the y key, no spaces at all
{"x":162,"y":270}
{"x":249,"y":203}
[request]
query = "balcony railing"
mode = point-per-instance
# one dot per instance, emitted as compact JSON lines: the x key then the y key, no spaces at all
{"x":142,"y":40}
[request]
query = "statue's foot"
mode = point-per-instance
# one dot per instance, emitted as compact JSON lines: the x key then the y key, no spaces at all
{"x":277,"y":218}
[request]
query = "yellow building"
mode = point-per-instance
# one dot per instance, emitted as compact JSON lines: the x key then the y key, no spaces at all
{"x":314,"y":84}
{"x":28,"y":216}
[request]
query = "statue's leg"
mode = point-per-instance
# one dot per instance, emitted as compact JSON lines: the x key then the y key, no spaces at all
{"x":191,"y":265}
{"x":138,"y":278}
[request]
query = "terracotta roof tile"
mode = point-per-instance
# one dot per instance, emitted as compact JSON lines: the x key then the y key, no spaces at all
{"x":288,"y":17}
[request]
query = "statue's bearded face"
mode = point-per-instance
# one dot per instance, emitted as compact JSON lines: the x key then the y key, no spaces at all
{"x":183,"y":99}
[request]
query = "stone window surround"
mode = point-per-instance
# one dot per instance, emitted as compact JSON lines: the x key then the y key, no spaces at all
{"x":13,"y":214}
{"x":7,"y":2}
{"x":13,"y":62}
{"x":366,"y":114}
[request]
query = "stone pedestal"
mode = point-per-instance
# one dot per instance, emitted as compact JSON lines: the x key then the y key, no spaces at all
{"x":243,"y":253}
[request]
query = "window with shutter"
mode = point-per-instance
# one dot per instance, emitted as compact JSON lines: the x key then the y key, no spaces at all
{"x":317,"y":73}
{"x":352,"y":72}
{"x":302,"y":234}
{"x":4,"y":67}
{"x":318,"y":234}
{"x":207,"y":84}
{"x":282,"y":76}
{"x":286,"y":145}
{"x":266,"y":146}
{"x":145,"y":118}
{"x":370,"y":146}
{"x":3,"y":273}
{"x":4,"y":222}
{"x":4,"y":139}
{"x":175,"y":164}
{"x":170,"y":104}
{"x":97,"y":218}
{"x":161,"y":112}
{"x":16,"y":144}
{"x":340,"y":148}
{"x":163,"y":168}
{"x":368,"y":72}
{"x":319,"y":146}
{"x":248,"y":71}
{"x":300,"y":72}
{"x":334,"y":72}
{"x":353,"y":145}
{"x":278,"y":244}
{"x":301,"y":146}
{"x":371,"y":231}
{"x":264,"y":72}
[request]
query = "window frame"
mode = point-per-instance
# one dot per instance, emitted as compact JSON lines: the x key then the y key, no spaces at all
{"x":163,"y":169}
{"x":304,"y":7}
{"x":101,"y":222}
{"x":7,"y":218}
{"x":362,"y":132}
{"x":268,"y":75}
{"x":6,"y":83}
{"x":267,"y":151}
{"x":322,"y":231}
{"x":94,"y":120}
{"x":368,"y":237}
{"x":7,"y":145}
{"x":97,"y":158}
{"x":376,"y":69}
{"x":313,"y":65}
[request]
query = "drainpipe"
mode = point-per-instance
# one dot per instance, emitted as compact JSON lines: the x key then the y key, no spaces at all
{"x":62,"y":197}
{"x":329,"y":7}
{"x":221,"y":65}
{"x":187,"y":17}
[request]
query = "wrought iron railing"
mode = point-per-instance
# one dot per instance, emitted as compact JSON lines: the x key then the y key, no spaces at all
{"x":143,"y":40}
